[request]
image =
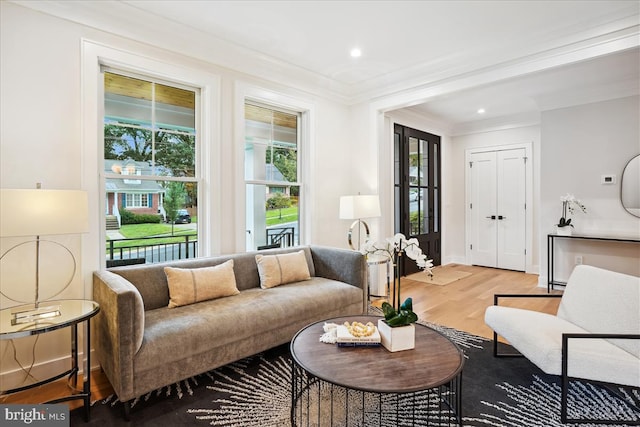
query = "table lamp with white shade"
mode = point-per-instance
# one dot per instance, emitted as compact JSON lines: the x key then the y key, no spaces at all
{"x":359,"y":207}
{"x":38,"y":212}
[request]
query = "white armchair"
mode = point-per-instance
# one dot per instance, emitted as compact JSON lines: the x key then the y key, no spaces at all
{"x":594,"y":336}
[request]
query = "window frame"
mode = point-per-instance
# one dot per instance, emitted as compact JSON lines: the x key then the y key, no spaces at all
{"x":272,"y":183}
{"x":171,"y":67}
{"x":244,"y":93}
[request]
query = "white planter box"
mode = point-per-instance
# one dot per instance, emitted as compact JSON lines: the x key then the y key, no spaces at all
{"x":397,"y":339}
{"x":564,"y":231}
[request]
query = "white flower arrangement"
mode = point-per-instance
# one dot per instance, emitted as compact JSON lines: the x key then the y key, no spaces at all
{"x":393,"y":248}
{"x":569,"y":203}
{"x":396,"y":245}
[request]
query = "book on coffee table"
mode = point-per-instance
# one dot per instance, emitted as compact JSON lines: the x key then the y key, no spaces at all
{"x":345,"y":339}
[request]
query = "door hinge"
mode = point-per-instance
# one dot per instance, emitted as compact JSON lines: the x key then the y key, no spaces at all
{"x":470,"y":205}
{"x":525,"y":251}
{"x":471,"y":246}
{"x":525,"y":159}
{"x":470,"y":164}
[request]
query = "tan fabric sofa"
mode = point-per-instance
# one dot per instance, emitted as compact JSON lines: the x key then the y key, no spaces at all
{"x":143,"y":345}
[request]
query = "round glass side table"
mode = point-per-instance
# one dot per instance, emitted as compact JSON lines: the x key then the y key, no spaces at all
{"x":60,"y":314}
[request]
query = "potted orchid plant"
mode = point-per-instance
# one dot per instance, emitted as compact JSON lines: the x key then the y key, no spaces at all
{"x":397,"y":331}
{"x":569,"y":205}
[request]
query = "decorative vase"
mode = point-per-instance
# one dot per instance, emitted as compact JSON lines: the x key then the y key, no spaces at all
{"x":564,"y":231}
{"x":398,"y":338}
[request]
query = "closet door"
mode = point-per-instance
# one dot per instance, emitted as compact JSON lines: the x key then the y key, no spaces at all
{"x":511,"y":209}
{"x":484,"y":225}
{"x":498,"y":209}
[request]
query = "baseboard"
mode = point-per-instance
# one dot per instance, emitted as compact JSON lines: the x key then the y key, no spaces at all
{"x":42,"y":370}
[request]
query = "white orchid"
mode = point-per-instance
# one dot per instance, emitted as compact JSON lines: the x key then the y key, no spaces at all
{"x":399,"y":243}
{"x":396,"y":246}
{"x":569,"y":201}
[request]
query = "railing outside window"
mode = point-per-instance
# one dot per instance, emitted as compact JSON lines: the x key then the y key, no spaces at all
{"x":151,"y":250}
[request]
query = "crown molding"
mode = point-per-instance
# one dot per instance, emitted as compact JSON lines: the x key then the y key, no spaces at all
{"x":409,"y":86}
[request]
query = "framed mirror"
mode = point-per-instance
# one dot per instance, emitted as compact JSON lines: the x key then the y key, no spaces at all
{"x":630,"y":186}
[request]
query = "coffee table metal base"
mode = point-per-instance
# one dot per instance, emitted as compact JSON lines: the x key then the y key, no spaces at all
{"x":319,"y":403}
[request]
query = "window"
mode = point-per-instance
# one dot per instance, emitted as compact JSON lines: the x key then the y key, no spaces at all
{"x":272,"y":176}
{"x":137,"y":200}
{"x":150,"y":134}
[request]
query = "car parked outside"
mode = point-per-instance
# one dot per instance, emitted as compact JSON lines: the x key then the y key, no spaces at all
{"x":183,"y":217}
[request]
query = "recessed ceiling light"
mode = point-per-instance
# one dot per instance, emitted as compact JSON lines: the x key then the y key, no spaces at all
{"x":355,"y":52}
{"x":481,"y":111}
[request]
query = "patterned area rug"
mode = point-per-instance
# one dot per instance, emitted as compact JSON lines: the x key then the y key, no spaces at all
{"x":255,"y":392}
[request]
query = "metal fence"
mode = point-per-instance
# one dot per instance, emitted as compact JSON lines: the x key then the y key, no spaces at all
{"x":151,"y":250}
{"x":283,"y":237}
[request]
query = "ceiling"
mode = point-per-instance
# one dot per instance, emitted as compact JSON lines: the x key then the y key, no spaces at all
{"x":444,"y":59}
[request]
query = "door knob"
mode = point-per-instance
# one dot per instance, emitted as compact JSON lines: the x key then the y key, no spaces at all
{"x":502,"y":217}
{"x":492,"y":217}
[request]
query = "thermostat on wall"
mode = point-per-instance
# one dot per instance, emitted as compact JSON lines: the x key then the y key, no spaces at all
{"x":608,"y":179}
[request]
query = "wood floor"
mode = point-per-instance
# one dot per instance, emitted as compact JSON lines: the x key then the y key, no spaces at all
{"x":460,"y":305}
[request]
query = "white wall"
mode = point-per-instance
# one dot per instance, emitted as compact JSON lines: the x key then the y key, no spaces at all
{"x":41,"y":141}
{"x":579,"y":145}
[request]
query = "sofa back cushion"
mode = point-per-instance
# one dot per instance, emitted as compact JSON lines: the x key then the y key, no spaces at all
{"x":151,"y":280}
{"x":281,"y":269}
{"x":191,"y":285}
{"x":603,"y":301}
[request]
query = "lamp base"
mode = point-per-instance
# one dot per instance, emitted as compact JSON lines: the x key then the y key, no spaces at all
{"x":366,"y":230}
{"x":21,"y":316}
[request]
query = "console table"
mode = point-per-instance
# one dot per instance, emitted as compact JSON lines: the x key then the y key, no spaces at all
{"x":551,"y":238}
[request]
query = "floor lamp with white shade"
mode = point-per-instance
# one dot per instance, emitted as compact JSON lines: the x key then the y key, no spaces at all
{"x":38,"y":212}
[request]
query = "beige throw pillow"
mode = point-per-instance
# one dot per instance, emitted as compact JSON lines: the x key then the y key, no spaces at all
{"x":279,"y":269}
{"x":190,"y":285}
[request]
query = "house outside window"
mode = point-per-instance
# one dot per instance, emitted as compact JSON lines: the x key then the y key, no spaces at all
{"x":272,"y":176}
{"x":150,"y":167}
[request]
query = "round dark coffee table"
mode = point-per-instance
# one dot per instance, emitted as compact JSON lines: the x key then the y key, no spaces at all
{"x":369,"y":386}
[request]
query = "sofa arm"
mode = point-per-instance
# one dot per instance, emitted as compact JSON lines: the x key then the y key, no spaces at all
{"x":496,"y":301}
{"x":119,"y":329}
{"x":340,"y":264}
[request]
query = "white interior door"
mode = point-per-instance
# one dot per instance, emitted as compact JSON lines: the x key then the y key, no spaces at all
{"x":511,"y":209}
{"x":498,"y":209}
{"x":483,"y":209}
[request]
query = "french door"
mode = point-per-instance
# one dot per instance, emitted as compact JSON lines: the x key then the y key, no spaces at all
{"x":497,"y":209}
{"x":417,"y":187}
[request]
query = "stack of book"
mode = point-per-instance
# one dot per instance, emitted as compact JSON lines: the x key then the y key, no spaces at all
{"x":345,"y":339}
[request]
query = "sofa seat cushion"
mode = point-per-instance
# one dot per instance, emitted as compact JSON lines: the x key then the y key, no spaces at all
{"x":178,"y":333}
{"x":538,"y":336}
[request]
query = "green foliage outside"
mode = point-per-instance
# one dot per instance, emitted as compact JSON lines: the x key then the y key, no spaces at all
{"x":286,"y":160}
{"x":278,"y":201}
{"x":282,"y":216}
{"x":174,"y":200}
{"x":174,"y":153}
{"x":128,"y":217}
{"x":162,"y":233}
{"x":416,"y":218}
